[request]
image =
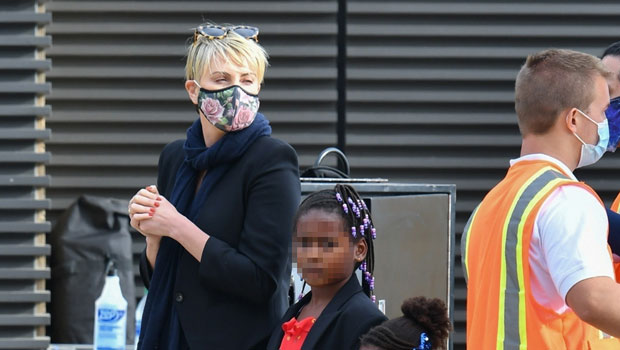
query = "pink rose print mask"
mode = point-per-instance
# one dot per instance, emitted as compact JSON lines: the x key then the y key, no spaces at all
{"x":228,"y":109}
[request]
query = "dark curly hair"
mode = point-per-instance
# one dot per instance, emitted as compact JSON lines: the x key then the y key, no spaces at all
{"x":420,"y":315}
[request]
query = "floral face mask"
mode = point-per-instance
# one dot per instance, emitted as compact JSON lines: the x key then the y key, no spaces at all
{"x":228,"y":109}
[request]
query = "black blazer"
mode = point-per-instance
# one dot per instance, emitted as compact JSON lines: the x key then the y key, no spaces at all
{"x":236,"y":295}
{"x":348,"y":316}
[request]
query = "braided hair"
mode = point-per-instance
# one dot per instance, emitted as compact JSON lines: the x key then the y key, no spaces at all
{"x":424,"y":325}
{"x":349,"y":205}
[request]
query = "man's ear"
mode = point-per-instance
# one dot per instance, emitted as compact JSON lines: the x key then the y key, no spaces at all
{"x":192,"y":90}
{"x":571,"y":120}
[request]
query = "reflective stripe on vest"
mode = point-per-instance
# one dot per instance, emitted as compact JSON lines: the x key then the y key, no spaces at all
{"x":465,"y":242}
{"x":512,"y":329}
{"x":512,"y":310}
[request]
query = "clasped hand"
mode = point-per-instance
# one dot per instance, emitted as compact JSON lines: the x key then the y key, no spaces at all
{"x":152,"y":214}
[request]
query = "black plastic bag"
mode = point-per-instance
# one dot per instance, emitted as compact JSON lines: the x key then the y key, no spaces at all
{"x":91,"y":231}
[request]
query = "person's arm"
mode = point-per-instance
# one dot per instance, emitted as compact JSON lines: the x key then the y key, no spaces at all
{"x":252,"y":270}
{"x":164,"y":220}
{"x":573,"y":232}
{"x":149,"y":254}
{"x":152,"y":247}
{"x":614,"y":231}
{"x":138,"y":213}
{"x":597,"y":301}
{"x":146,"y":270}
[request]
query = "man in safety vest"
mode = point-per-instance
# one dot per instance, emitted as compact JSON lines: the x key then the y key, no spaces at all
{"x":535,"y":253}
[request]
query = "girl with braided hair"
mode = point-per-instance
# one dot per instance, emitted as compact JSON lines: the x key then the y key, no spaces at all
{"x":424,"y":326}
{"x":333,"y":237}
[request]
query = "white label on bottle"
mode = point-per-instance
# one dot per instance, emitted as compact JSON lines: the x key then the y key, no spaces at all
{"x":110,"y":332}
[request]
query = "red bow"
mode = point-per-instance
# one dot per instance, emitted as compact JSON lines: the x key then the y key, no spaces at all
{"x":295,"y":328}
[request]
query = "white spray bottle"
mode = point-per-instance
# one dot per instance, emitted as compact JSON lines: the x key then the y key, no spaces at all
{"x":110,"y":314}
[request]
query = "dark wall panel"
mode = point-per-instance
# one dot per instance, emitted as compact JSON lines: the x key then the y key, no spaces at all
{"x":23,"y":181}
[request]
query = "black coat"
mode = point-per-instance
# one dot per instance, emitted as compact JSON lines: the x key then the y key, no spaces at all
{"x":237,"y":294}
{"x":348,"y":316}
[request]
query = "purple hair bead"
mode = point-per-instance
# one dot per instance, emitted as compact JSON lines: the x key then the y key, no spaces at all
{"x":373,"y":232}
{"x":359,"y":203}
{"x":374,"y":299}
{"x":338,"y":197}
{"x":356,"y":210}
{"x":362,"y":230}
{"x":345,"y":208}
{"x":353,"y":232}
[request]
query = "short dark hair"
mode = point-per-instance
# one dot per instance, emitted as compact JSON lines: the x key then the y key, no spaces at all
{"x":552,"y":81}
{"x":612,"y":50}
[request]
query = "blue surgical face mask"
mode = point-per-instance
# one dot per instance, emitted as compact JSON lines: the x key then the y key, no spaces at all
{"x":590,"y":154}
{"x":613,"y":118}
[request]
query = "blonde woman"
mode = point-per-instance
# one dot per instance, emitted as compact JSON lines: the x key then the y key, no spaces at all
{"x":218,"y":224}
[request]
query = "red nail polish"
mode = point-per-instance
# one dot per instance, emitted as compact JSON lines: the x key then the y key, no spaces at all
{"x":158,"y":198}
{"x":152,"y":210}
{"x":156,"y":204}
{"x":151,"y":213}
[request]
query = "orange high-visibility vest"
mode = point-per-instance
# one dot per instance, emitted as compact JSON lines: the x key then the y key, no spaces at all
{"x":501,"y":310}
{"x":615,"y":206}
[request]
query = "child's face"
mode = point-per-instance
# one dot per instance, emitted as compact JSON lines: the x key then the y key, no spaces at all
{"x":325,"y":253}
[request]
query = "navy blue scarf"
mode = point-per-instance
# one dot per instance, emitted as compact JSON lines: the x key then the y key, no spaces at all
{"x":160,"y":325}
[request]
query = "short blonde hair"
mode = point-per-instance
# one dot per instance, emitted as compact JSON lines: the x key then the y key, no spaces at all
{"x":552,"y":81}
{"x":232,"y":48}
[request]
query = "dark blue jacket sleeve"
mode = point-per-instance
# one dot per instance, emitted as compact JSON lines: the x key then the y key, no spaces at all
{"x":614,"y":231}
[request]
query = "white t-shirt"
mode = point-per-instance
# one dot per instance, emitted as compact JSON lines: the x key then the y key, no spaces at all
{"x":569,"y":242}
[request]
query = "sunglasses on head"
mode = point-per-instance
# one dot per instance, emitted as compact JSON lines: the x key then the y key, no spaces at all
{"x":212,"y":32}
